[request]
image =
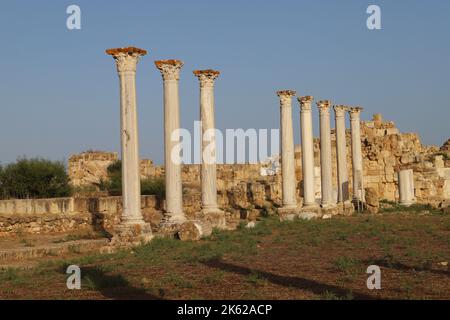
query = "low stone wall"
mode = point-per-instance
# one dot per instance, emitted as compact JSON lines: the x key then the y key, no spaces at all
{"x":41,"y":216}
{"x":241,"y":199}
{"x":44,"y":223}
{"x":36,"y":206}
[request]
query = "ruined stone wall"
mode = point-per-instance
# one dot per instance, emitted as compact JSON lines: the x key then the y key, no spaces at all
{"x":244,"y":200}
{"x":385,"y":150}
{"x":89,"y":168}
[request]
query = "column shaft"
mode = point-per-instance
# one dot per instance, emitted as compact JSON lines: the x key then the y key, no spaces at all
{"x":170,"y":70}
{"x":131,"y":187}
{"x":307,"y":151}
{"x":357,"y":164}
{"x":208,"y":143}
{"x":287,"y":150}
{"x":325,"y":154}
{"x":341,"y":154}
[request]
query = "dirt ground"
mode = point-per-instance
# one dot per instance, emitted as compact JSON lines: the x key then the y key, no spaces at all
{"x":316,"y":259}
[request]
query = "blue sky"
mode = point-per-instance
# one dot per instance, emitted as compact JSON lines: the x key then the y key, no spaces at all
{"x":59,"y":91}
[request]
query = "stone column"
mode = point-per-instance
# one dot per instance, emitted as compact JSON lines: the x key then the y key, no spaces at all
{"x":309,"y":199}
{"x":406,"y":187}
{"x":208,"y":147}
{"x":289,"y":199}
{"x":132,"y":227}
{"x":325,"y":154}
{"x":357,"y":164}
{"x":170,"y":71}
{"x":341,"y":155}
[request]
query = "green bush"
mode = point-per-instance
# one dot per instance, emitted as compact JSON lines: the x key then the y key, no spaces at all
{"x":34,"y":178}
{"x":151,"y":186}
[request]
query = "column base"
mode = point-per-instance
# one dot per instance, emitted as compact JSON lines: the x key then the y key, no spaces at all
{"x":288,"y":213}
{"x":131,"y":233}
{"x":309,"y":211}
{"x":348,"y":208}
{"x":170,"y":224}
{"x":406,"y":204}
{"x":310,"y":206}
{"x":213,"y":215}
{"x":328,"y":205}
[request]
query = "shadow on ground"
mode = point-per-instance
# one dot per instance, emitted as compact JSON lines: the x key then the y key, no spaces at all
{"x":286,"y":281}
{"x":404,"y":267}
{"x":113,"y":286}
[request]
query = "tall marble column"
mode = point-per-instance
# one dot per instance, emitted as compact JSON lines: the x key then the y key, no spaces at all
{"x":357,"y":164}
{"x":341,"y":155}
{"x":289,"y":199}
{"x":170,"y":71}
{"x":306,"y":125}
{"x":132,"y":226}
{"x":208,"y":143}
{"x":325,"y":154}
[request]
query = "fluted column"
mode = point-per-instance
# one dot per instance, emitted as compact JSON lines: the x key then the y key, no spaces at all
{"x":325,"y":154}
{"x":208,"y":141}
{"x":341,"y":154}
{"x":287,"y":151}
{"x":307,"y":151}
{"x":170,"y":71}
{"x":357,"y":164}
{"x":126,"y":61}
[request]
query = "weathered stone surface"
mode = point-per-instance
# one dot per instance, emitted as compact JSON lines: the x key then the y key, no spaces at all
{"x":372,"y":200}
{"x":194,"y":230}
{"x":243,"y":191}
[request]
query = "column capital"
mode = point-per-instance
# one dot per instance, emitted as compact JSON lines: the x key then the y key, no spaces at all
{"x":285,"y":97}
{"x":126,"y":58}
{"x":170,"y":69}
{"x":206,"y":77}
{"x":340,"y":110}
{"x":305,"y":102}
{"x":324,"y":105}
{"x":354,"y":112}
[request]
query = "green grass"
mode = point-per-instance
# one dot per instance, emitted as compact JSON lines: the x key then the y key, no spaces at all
{"x":170,"y":268}
{"x":12,"y":276}
{"x":413,"y":209}
{"x":328,"y":295}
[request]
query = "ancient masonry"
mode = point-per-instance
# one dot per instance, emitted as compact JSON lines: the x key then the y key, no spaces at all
{"x":344,"y":169}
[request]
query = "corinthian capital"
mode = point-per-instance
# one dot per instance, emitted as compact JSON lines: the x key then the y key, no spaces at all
{"x":206,"y":77}
{"x":286,"y":97}
{"x":354,"y":112}
{"x":170,"y":69}
{"x":324,"y":105}
{"x":305,"y":102}
{"x":340,"y":110}
{"x":126,"y":58}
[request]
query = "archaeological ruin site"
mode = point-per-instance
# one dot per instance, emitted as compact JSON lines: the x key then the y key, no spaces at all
{"x":343,"y":172}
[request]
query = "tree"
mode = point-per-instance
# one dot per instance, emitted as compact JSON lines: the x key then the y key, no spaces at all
{"x":34,"y":178}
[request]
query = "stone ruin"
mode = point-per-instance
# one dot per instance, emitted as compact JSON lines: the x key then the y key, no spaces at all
{"x":323,"y":177}
{"x":385,"y":151}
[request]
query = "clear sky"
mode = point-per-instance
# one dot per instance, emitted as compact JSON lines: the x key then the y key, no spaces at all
{"x":59,"y":90}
